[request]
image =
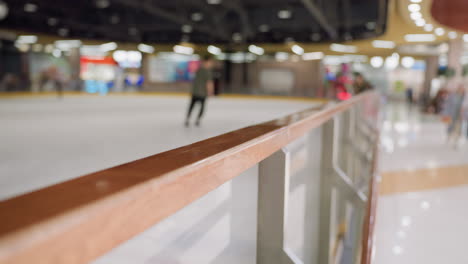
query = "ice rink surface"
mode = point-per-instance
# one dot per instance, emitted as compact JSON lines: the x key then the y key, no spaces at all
{"x":46,"y":140}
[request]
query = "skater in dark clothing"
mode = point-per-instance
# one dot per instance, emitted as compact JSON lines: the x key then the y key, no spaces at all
{"x":202,"y":87}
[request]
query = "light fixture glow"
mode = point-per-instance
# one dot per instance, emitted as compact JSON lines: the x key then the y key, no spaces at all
{"x":376,"y":62}
{"x":57,"y":53}
{"x":256,"y":50}
{"x":420,"y":37}
{"x":26,"y":39}
{"x":145,"y":48}
{"x":197,"y":16}
{"x":416,"y":15}
{"x":428,"y":27}
{"x":108,"y":46}
{"x":439,"y":31}
{"x":66,"y":45}
{"x":297,"y":49}
{"x":214,"y":50}
{"x":452,"y":35}
{"x":420,"y":22}
{"x":391,"y":62}
{"x":313,"y":56}
{"x":407,"y":62}
{"x":3,"y":10}
{"x":343,"y":48}
{"x":37,"y":47}
{"x":383,"y":44}
{"x":30,"y":8}
{"x":284,"y":14}
{"x":281,"y":56}
{"x":183,"y":49}
{"x":465,"y":37}
{"x":186,"y":28}
{"x":264,"y":28}
{"x":414,"y":7}
{"x":214,"y":2}
{"x":416,"y":1}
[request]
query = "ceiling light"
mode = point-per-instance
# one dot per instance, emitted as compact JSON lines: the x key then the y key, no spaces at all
{"x":133,"y":31}
{"x":183,"y":49}
{"x":391,"y":62}
{"x":264,"y":28}
{"x":312,"y":56}
{"x":439,"y":31}
{"x":237,"y":37}
{"x":37,"y":47}
{"x":186,"y":28}
{"x":465,"y":37}
{"x":66,"y":45}
{"x":214,"y":50}
{"x":63,"y":32}
{"x":102,"y":4}
{"x":376,"y":61}
{"x":428,"y":27}
{"x":414,"y":7}
{"x":108,"y":46}
{"x":407,"y":62}
{"x":256,"y":50}
{"x":343,"y":48}
{"x":284,"y":14}
{"x":214,"y":2}
{"x":420,"y":37}
{"x":281,"y":56}
{"x":114,"y":19}
{"x":416,"y":1}
{"x":197,"y":16}
{"x":420,"y":22}
{"x":57,"y":53}
{"x":49,"y":48}
{"x":297,"y":49}
{"x":416,"y":15}
{"x":371,"y":25}
{"x":30,"y":8}
{"x":3,"y":10}
{"x":316,"y":36}
{"x":119,"y":55}
{"x":22,"y":47}
{"x":145,"y":48}
{"x":26,"y":39}
{"x":452,"y":35}
{"x":52,"y":21}
{"x":383,"y":44}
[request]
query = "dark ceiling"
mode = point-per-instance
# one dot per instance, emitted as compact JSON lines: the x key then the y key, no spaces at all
{"x":198,"y":21}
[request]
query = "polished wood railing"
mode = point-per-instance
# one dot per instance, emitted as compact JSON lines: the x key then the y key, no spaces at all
{"x":81,"y":219}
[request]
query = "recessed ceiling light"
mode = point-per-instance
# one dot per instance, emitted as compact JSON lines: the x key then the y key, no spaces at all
{"x":145,"y":48}
{"x":420,"y":37}
{"x":383,"y":44}
{"x":63,"y":32}
{"x":214,"y":2}
{"x":452,"y":35}
{"x":343,"y":48}
{"x":428,"y":27}
{"x":420,"y":22}
{"x":284,"y":14}
{"x":297,"y":49}
{"x":30,"y":7}
{"x":316,"y":36}
{"x":256,"y":50}
{"x":183,"y":49}
{"x":414,"y":7}
{"x":416,"y":1}
{"x":376,"y":61}
{"x":416,"y":15}
{"x":102,"y":4}
{"x":3,"y":10}
{"x":264,"y":28}
{"x":26,"y":39}
{"x":439,"y":31}
{"x":237,"y":37}
{"x":197,"y":16}
{"x":186,"y":28}
{"x":313,"y":56}
{"x":214,"y":50}
{"x":52,"y":21}
{"x":407,"y":62}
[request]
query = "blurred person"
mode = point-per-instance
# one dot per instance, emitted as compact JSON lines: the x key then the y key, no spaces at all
{"x":360,"y":84}
{"x":454,"y":110}
{"x":202,"y":87}
{"x":409,"y":95}
{"x":51,"y":75}
{"x":10,"y":82}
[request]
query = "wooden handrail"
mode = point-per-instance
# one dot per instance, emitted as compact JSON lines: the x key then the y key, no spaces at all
{"x":78,"y":220}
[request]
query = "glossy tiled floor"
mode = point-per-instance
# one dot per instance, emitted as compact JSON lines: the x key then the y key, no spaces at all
{"x":421,"y":216}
